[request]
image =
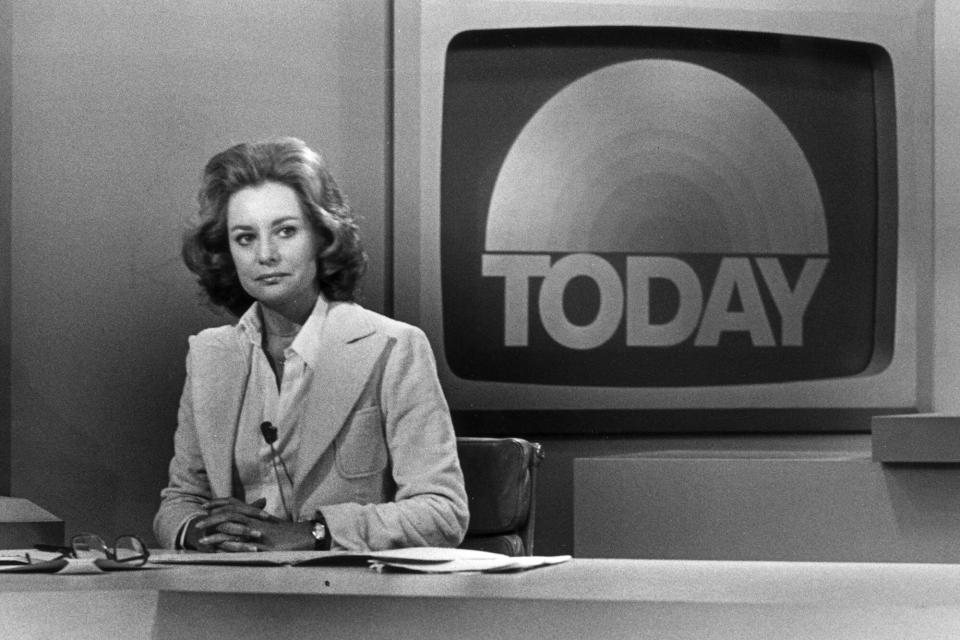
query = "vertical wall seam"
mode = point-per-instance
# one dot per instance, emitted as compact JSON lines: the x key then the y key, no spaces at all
{"x":389,"y":164}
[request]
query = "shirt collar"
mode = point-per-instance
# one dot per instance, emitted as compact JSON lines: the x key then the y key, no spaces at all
{"x":307,"y":342}
{"x":250,"y":325}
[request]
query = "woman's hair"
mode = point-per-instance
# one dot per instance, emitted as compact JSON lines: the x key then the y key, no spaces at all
{"x":341,"y":261}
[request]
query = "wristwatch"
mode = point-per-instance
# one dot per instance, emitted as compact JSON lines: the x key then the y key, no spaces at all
{"x":321,"y":537}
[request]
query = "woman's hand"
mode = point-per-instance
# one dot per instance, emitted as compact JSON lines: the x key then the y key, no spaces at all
{"x":232,"y":525}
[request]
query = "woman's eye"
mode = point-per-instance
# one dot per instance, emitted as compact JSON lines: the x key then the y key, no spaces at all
{"x":286,"y":232}
{"x":243,"y":239}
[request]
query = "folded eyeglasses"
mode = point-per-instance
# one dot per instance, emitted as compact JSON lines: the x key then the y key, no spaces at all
{"x":127,"y":552}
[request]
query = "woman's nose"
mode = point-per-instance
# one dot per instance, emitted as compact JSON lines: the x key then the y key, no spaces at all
{"x":267,"y":252}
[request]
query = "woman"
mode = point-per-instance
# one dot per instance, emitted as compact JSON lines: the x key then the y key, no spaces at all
{"x":312,"y":423}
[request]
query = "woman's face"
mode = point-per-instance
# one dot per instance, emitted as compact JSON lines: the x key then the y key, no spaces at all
{"x":274,"y":248}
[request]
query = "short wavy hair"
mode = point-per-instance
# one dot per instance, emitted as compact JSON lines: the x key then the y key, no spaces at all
{"x":341,"y":261}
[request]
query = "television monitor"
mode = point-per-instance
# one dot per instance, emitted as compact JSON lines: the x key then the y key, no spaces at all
{"x":666,"y":205}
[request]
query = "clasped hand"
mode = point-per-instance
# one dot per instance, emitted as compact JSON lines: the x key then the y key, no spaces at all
{"x":232,"y":525}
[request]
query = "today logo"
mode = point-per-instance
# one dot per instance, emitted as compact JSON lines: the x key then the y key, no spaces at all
{"x":655,"y":160}
{"x":706,"y":322}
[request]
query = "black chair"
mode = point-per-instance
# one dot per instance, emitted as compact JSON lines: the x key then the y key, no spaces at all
{"x":500,"y":476}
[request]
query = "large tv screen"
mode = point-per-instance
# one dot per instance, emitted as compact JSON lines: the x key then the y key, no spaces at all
{"x":641,"y":206}
{"x":659,"y":207}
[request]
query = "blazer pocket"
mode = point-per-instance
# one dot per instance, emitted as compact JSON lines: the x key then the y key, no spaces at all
{"x":361,"y":450}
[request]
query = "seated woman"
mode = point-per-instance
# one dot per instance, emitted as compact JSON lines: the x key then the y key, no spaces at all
{"x":312,"y":423}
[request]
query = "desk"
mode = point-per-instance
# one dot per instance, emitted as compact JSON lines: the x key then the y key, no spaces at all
{"x":581,"y":599}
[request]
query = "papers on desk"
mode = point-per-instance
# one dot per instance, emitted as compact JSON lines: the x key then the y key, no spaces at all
{"x":495,"y":564}
{"x":418,"y":559}
{"x":35,"y":561}
{"x":30,"y":561}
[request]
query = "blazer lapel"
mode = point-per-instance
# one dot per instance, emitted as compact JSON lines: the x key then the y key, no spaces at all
{"x":220,"y":381}
{"x":349,"y":349}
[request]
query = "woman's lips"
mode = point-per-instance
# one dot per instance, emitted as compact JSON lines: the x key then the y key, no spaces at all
{"x":271,"y":278}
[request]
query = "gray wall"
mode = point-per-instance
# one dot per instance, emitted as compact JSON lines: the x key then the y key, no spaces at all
{"x":116,"y":106}
{"x":106,"y":117}
{"x":6,"y":92}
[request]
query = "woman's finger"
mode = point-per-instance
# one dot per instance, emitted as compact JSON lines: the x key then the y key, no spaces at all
{"x":216,"y":503}
{"x":245,"y":511}
{"x":214,"y":520}
{"x":224,"y":541}
{"x":237,"y":546}
{"x":216,"y":539}
{"x":232,"y":505}
{"x":243,"y":531}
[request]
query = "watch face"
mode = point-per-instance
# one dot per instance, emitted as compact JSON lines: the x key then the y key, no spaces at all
{"x":319,"y":531}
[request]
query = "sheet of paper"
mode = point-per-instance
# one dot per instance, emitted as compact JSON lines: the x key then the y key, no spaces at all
{"x":433,"y":554}
{"x":417,"y":555}
{"x":249,"y":558}
{"x":16,"y":561}
{"x":503,"y":564}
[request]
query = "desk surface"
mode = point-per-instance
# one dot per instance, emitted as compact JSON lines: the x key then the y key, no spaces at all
{"x":808,"y":583}
{"x":621,"y":593}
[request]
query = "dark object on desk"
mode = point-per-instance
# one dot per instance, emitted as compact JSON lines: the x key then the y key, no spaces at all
{"x":500,"y":478}
{"x":22,"y":524}
{"x":795,"y":506}
{"x":916,"y":438}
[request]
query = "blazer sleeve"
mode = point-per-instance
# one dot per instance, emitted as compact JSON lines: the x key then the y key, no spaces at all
{"x":430,"y":503}
{"x":188,"y":487}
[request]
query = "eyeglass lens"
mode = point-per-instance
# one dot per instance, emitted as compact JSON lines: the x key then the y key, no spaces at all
{"x":126,"y":548}
{"x":129,"y":548}
{"x":88,"y":545}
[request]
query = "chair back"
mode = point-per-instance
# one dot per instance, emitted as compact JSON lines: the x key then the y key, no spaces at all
{"x":500,"y":478}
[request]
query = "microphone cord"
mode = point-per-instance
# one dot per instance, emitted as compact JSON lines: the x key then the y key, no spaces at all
{"x":276,"y":472}
{"x":270,"y":436}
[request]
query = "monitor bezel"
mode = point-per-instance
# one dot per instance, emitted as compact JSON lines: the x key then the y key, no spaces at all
{"x":904,"y":29}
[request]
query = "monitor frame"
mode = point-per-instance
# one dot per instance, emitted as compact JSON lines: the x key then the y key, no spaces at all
{"x":904,"y":28}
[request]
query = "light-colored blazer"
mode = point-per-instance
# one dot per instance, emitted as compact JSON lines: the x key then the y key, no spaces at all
{"x":378,"y":457}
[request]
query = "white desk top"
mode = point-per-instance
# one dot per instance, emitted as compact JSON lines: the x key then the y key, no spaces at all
{"x":723,"y":582}
{"x":612,"y":599}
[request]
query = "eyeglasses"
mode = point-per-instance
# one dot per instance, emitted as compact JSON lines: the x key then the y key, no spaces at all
{"x":128,"y":551}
